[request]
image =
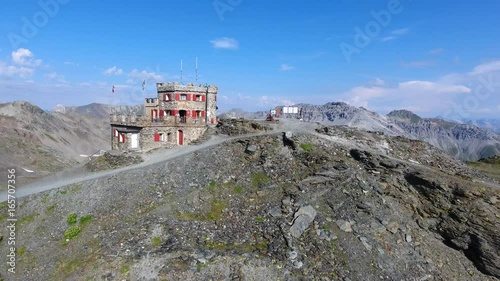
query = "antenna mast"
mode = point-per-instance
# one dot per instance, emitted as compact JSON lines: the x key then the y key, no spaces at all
{"x":196,"y":70}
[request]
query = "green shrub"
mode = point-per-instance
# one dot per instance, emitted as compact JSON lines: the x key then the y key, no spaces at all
{"x":71,"y":219}
{"x":72,"y":232}
{"x":306,"y":146}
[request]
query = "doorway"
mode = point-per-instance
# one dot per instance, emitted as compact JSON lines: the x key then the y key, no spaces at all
{"x":180,"y":137}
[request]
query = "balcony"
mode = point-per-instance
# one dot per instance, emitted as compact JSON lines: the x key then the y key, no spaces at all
{"x":148,"y":121}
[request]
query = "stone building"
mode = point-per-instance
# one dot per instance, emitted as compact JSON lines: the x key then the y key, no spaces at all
{"x":178,"y":115}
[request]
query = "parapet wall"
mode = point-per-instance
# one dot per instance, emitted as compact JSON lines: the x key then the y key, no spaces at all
{"x":190,"y":87}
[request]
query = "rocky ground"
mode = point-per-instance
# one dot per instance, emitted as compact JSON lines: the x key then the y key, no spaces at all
{"x":112,"y":160}
{"x":334,"y":204}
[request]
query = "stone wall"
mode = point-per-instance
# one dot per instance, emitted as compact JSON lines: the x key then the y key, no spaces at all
{"x":147,"y":138}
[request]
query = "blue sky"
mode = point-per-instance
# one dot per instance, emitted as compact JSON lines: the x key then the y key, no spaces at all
{"x":431,"y":57}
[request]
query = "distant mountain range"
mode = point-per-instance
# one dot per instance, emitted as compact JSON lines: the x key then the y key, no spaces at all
{"x":464,"y":141}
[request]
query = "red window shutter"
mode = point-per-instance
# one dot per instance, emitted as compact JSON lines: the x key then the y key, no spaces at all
{"x":177,"y":96}
{"x":194,"y":113}
{"x":157,"y":137}
{"x":203,"y":114}
{"x":162,"y":113}
{"x":188,"y":97}
{"x":164,"y":97}
{"x":203,"y":98}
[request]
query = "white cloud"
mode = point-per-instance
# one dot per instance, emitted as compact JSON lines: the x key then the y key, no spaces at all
{"x":225,"y":43}
{"x":113,"y":71}
{"x":287,"y":67}
{"x":486,"y":68}
{"x":400,"y":31}
{"x":25,"y":57}
{"x":421,"y":96}
{"x":138,"y":76}
{"x":426,"y":86}
{"x":13,"y":71}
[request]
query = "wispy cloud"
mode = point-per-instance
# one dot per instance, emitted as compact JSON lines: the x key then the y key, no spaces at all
{"x":71,"y":63}
{"x":225,"y":43}
{"x":395,"y":34}
{"x":55,"y":77}
{"x":139,"y":76}
{"x":387,"y":38}
{"x":437,"y":51}
{"x":113,"y":71}
{"x":15,"y":71}
{"x":400,"y":31}
{"x":286,"y":67}
{"x":486,"y":67}
{"x":418,"y":64}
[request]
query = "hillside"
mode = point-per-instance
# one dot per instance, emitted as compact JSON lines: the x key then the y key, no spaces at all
{"x":39,"y":143}
{"x":314,"y":203}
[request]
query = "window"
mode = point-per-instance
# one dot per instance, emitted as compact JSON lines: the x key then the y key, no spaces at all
{"x":121,"y":137}
{"x":183,"y":97}
{"x":198,"y":98}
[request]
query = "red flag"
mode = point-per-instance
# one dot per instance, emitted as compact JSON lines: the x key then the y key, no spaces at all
{"x":113,"y":89}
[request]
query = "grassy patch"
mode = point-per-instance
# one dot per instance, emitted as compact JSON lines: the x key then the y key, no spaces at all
{"x":63,"y":192}
{"x":21,"y":251}
{"x":260,"y":219}
{"x":125,"y":270}
{"x":306,"y":146}
{"x":215,"y":212}
{"x":259,"y":178}
{"x":238,"y":189}
{"x":71,"y":219}
{"x":488,"y":166}
{"x":72,"y":232}
{"x":28,"y":219}
{"x":51,"y":208}
{"x":156,"y":241}
{"x":85,"y":219}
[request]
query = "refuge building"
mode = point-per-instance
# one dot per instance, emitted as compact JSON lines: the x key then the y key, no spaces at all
{"x":178,"y":115}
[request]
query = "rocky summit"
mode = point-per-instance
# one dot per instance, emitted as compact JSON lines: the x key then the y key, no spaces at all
{"x":294,"y":202}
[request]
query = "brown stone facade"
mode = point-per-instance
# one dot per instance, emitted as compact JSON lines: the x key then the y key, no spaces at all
{"x":178,"y":115}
